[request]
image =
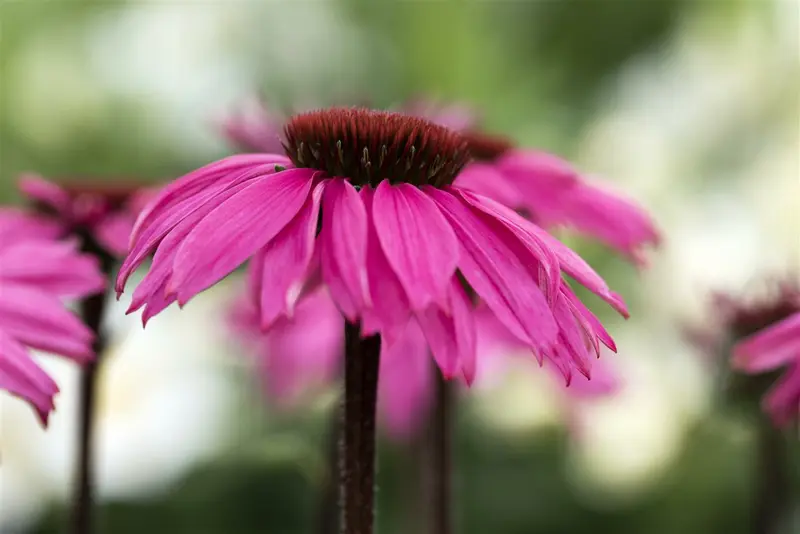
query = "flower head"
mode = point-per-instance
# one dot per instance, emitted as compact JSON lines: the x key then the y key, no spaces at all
{"x":104,"y":212}
{"x":396,"y":242}
{"x":765,"y":335}
{"x":552,"y":193}
{"x":35,"y":273}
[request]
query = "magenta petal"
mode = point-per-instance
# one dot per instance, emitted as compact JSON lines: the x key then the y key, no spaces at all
{"x":417,"y":241}
{"x":303,"y":350}
{"x":783,"y":400}
{"x":152,"y":288}
{"x":54,"y":267}
{"x":343,"y":247}
{"x":40,"y":320}
{"x":493,"y":268}
{"x":20,"y":376}
{"x":404,"y":386}
{"x":592,"y":322}
{"x":236,"y":229}
{"x":390,"y":309}
{"x":17,"y":225}
{"x":465,"y":330}
{"x":182,"y":197}
{"x":570,"y":262}
{"x":47,"y":193}
{"x":451,"y":336}
{"x":284,"y":261}
{"x":538,"y":247}
{"x":770,"y":348}
{"x":486,"y":180}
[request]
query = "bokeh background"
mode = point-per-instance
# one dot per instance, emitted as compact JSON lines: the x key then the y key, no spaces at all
{"x":690,"y":107}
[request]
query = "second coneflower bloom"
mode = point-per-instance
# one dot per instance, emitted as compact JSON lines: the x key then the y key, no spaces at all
{"x":364,"y":203}
{"x":552,"y":193}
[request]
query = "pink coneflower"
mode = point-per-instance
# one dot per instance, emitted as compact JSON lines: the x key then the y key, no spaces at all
{"x":771,"y":332}
{"x":397,"y":245}
{"x":404,"y":264}
{"x":106,"y":212}
{"x":765,"y":335}
{"x":35,"y":273}
{"x":550,"y":192}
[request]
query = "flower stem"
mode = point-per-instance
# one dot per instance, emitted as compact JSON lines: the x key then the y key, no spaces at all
{"x":438,"y":465}
{"x":772,"y":499}
{"x":357,"y":448}
{"x":92,"y":310}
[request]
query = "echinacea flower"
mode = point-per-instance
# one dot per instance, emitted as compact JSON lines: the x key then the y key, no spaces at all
{"x":766,"y":335}
{"x":396,"y":241}
{"x":771,"y":348}
{"x":104,"y":212}
{"x":35,"y":273}
{"x":550,"y":192}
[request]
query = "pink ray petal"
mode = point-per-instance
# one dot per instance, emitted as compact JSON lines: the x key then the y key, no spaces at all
{"x":284,"y":261}
{"x":237,"y":228}
{"x":390,"y":309}
{"x":20,"y":376}
{"x":181,"y":198}
{"x":343,"y":247}
{"x":41,"y":321}
{"x":496,"y":272}
{"x":417,"y":241}
{"x":770,"y":348}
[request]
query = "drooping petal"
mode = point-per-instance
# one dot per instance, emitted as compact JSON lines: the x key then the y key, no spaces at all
{"x":772,"y":347}
{"x":492,"y":265}
{"x":417,"y":241}
{"x":608,"y":217}
{"x":152,"y":289}
{"x":46,"y":193}
{"x":390,"y":309}
{"x":185,"y":195}
{"x":113,"y":232}
{"x":54,"y":267}
{"x":590,"y":319}
{"x":405,"y":383}
{"x":17,"y":225}
{"x":40,"y":321}
{"x":570,"y":262}
{"x":343,"y":247}
{"x":285,"y":260}
{"x":538,"y":248}
{"x":20,"y":376}
{"x":234,"y":230}
{"x":783,"y":400}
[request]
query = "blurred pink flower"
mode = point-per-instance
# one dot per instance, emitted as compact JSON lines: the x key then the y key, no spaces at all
{"x":35,"y":273}
{"x":303,"y":352}
{"x":106,"y":211}
{"x":550,"y":192}
{"x":394,"y":241}
{"x":773,"y":347}
{"x":255,"y":128}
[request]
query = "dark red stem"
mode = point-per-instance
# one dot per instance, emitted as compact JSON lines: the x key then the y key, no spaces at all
{"x":357,"y":447}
